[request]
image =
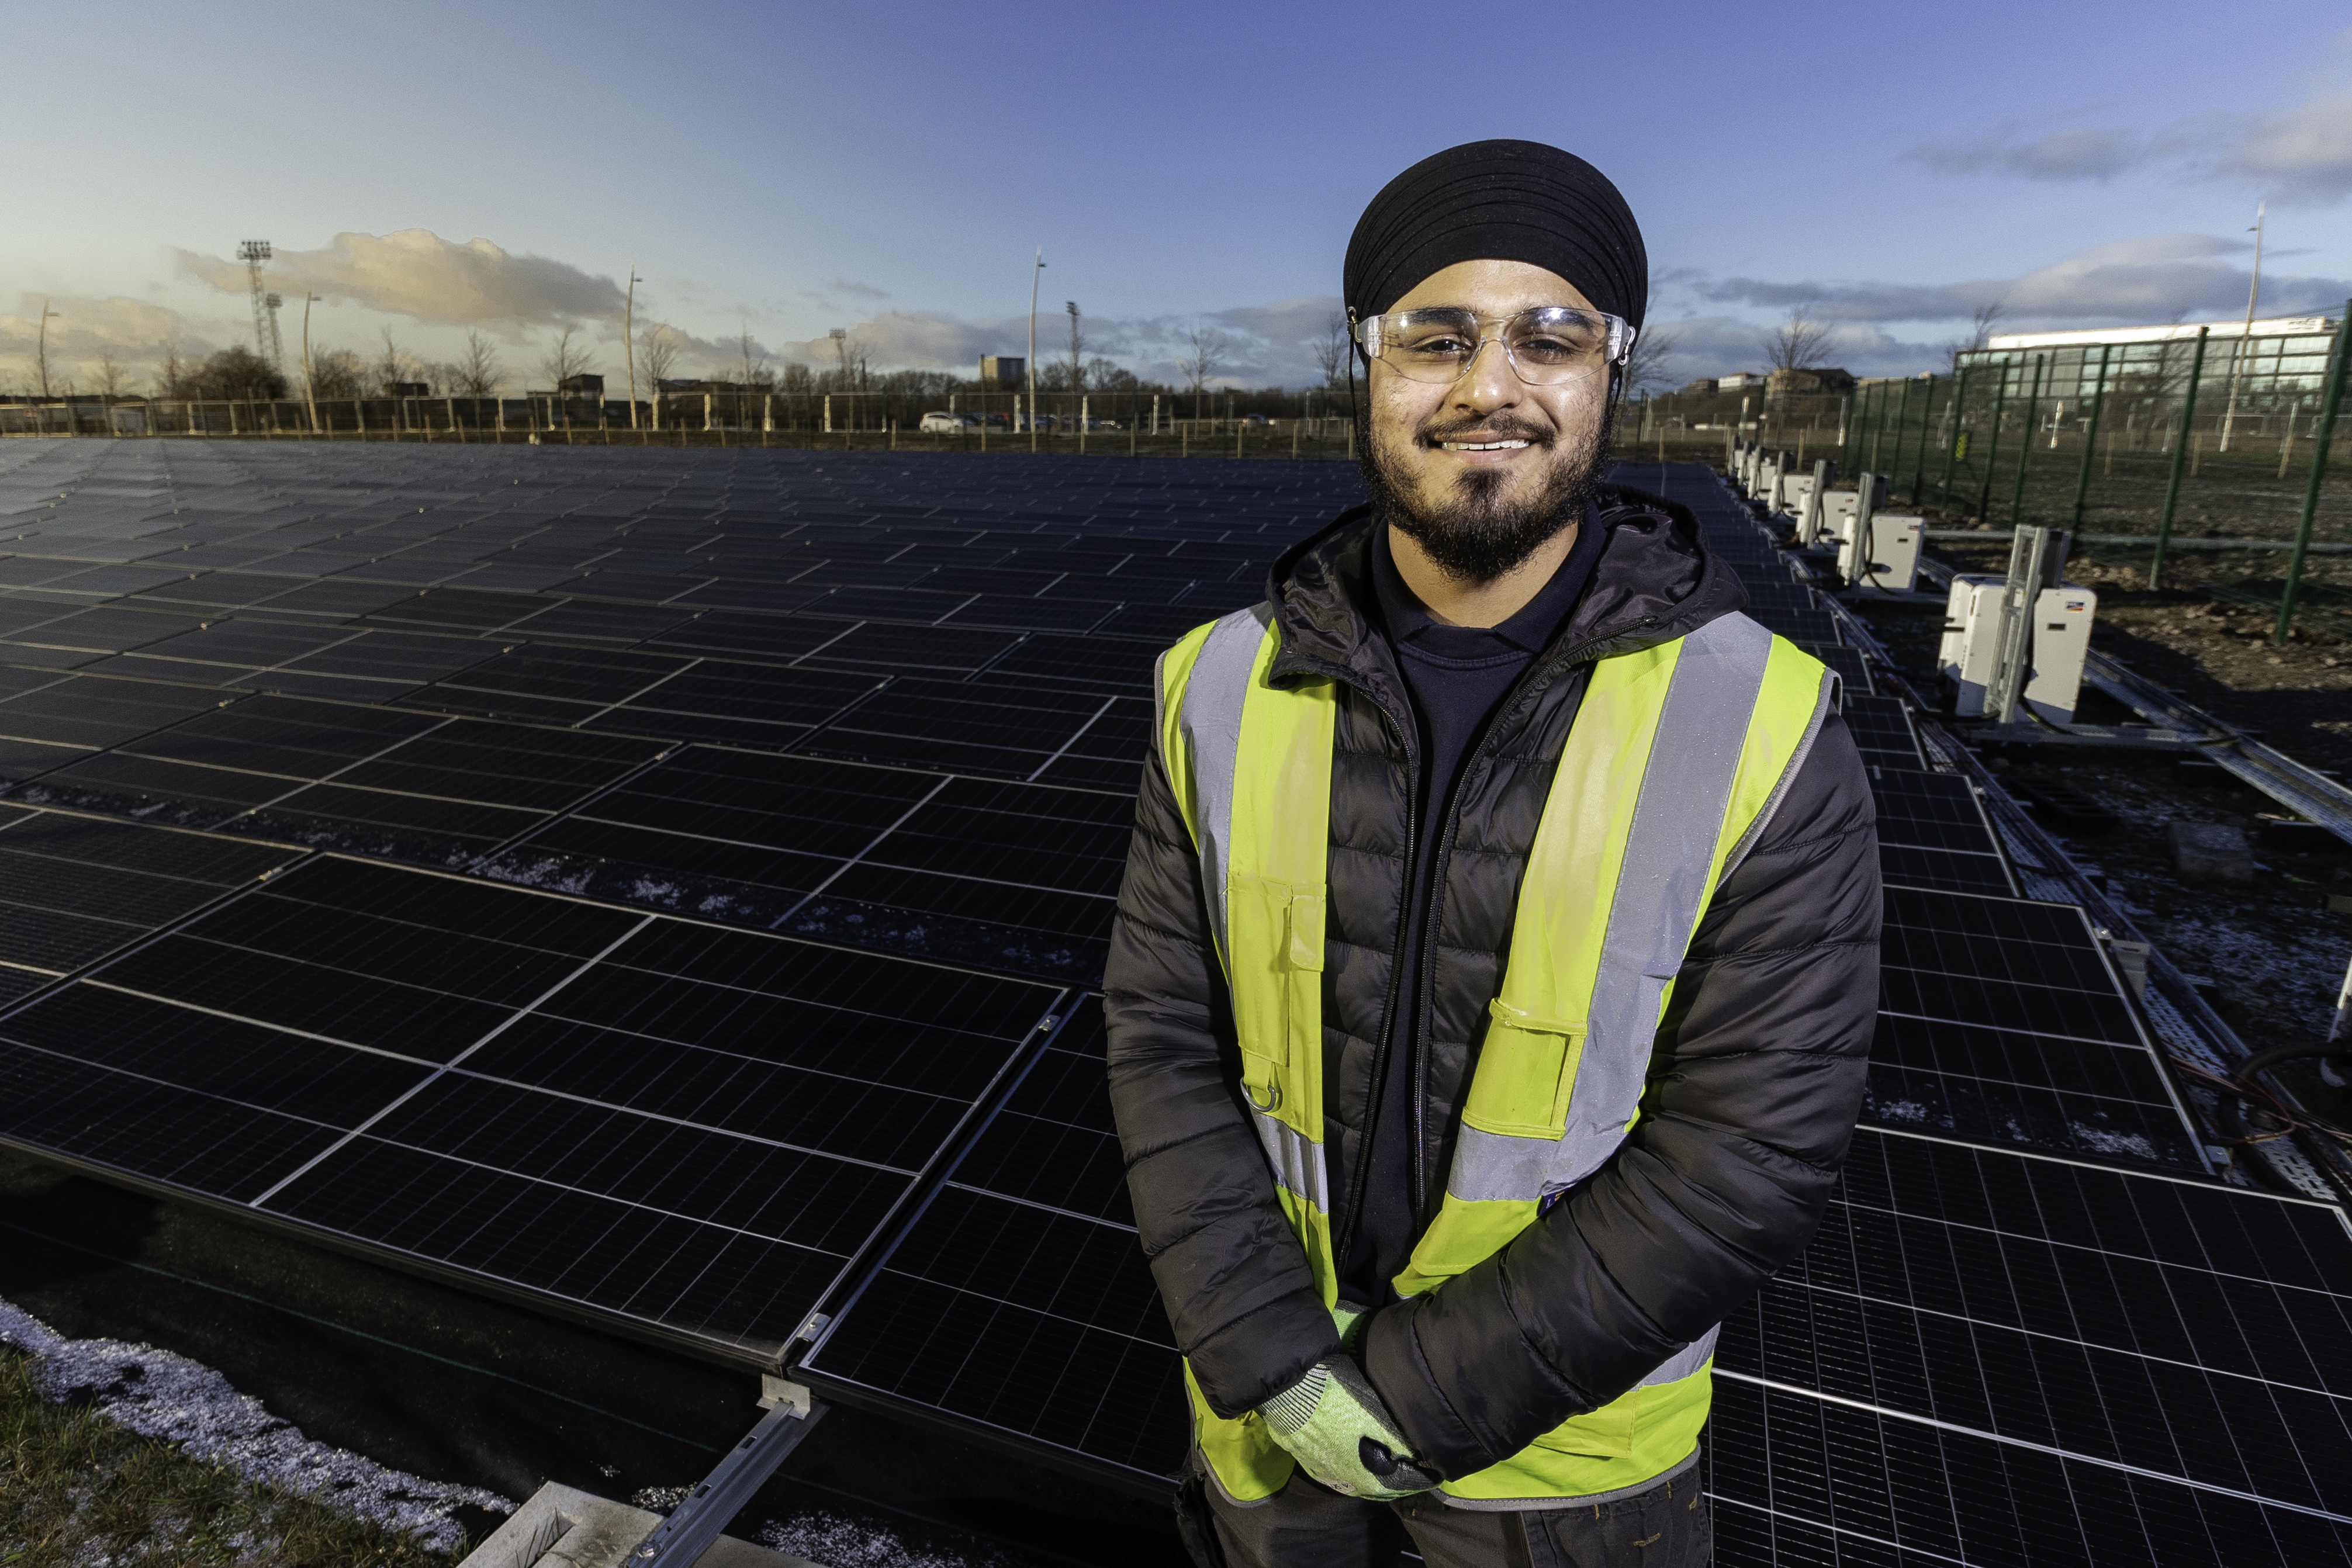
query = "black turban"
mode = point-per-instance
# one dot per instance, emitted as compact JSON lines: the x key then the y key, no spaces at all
{"x":1502,"y":201}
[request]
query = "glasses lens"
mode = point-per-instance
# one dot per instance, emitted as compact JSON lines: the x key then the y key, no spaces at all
{"x":1555,"y":343}
{"x":1429,"y":345}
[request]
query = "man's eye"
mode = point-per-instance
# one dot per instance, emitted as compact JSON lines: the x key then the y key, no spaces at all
{"x":1441,"y":344}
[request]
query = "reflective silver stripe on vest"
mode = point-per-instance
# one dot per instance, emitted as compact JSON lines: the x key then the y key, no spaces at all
{"x":1684,"y":1362}
{"x":1677,"y":819}
{"x":1297,"y":1163}
{"x":1211,"y":725}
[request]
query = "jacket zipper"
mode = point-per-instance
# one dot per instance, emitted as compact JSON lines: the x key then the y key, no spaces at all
{"x":1381,"y":1064}
{"x":1536,"y":684}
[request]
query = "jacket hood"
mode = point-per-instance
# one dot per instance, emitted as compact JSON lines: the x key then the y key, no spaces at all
{"x":1654,"y":581}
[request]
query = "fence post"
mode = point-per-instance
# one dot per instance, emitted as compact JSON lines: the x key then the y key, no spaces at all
{"x":1959,"y":411}
{"x":1993,"y":457}
{"x":2179,"y":462}
{"x":1926,"y":428}
{"x":1902,"y":433}
{"x":2091,"y":435}
{"x":2025,"y":448}
{"x":2318,"y":476}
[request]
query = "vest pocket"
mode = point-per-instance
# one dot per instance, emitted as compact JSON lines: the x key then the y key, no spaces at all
{"x":1526,"y":1072}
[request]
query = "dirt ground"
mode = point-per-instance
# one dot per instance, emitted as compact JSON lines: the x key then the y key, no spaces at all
{"x":2272,"y":951}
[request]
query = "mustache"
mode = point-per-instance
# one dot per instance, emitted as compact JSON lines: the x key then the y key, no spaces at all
{"x":1495,"y":427}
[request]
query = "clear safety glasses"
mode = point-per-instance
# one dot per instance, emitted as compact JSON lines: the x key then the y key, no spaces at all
{"x":1545,"y":345}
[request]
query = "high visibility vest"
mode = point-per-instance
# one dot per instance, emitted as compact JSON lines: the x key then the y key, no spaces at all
{"x":1677,"y":755}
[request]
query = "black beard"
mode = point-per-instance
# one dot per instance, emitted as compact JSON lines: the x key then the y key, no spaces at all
{"x":1477,"y":535}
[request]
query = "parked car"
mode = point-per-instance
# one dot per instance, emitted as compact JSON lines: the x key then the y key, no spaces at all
{"x":947,"y":424}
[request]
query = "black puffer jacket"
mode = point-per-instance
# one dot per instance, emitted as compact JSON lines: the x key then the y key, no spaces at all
{"x":1753,"y":1090}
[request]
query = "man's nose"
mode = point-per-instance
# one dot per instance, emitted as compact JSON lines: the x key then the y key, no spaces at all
{"x":1488,"y":381}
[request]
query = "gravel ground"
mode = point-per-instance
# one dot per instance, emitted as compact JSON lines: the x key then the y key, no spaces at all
{"x":2273,"y":950}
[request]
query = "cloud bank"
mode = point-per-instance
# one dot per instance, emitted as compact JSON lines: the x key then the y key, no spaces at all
{"x":418,"y":273}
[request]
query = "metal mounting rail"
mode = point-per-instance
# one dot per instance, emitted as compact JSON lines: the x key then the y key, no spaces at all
{"x":2303,"y":790}
{"x":700,"y":1518}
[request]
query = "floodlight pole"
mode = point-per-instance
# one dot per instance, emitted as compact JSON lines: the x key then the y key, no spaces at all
{"x":629,"y":342}
{"x":2245,"y":340}
{"x":1031,"y":365}
{"x":309,"y":384}
{"x":47,"y":316}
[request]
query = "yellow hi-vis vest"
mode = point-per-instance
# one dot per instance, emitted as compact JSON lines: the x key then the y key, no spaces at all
{"x":1676,"y":757}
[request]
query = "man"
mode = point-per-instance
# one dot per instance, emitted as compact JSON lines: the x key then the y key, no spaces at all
{"x":1496,"y":963}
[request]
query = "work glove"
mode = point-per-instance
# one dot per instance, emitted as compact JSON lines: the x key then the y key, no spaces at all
{"x":1334,"y":1425}
{"x":1350,"y":1321}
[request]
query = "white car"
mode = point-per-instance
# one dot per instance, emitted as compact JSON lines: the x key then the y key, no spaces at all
{"x":947,"y":423}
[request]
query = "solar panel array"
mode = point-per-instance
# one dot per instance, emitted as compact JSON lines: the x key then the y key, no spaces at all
{"x":667,"y":887}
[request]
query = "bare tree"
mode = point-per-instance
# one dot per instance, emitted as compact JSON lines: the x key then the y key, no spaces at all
{"x":171,"y":375}
{"x":337,"y":373}
{"x":656,"y":355}
{"x":1331,"y":349}
{"x":1796,"y":344}
{"x":1650,"y":366}
{"x":113,"y":380}
{"x":1077,"y":350}
{"x":478,"y":371}
{"x":398,"y":365}
{"x":565,"y":358}
{"x":1204,"y":355}
{"x":1981,"y":323}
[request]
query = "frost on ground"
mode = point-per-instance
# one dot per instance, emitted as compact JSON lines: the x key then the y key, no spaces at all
{"x":837,"y":1540}
{"x":169,"y":1397}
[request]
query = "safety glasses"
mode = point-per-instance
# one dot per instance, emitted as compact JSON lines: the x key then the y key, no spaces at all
{"x":1545,"y":345}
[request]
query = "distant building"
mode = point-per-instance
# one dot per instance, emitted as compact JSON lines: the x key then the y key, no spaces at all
{"x":2273,"y":367}
{"x":1745,"y":380}
{"x":1819,"y":379}
{"x":407,"y":388}
{"x":1703,"y":387}
{"x":582,"y":385}
{"x":1003,"y":372}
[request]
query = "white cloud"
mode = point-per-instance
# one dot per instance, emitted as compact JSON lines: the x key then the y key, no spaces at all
{"x":2072,"y":154}
{"x":2126,"y":282}
{"x":2299,"y":155}
{"x":416,"y":273}
{"x":85,"y":331}
{"x":2302,"y":156}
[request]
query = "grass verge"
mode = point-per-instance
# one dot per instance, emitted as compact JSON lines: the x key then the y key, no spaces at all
{"x":78,"y":1492}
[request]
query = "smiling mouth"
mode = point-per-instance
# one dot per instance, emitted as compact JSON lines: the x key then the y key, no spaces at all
{"x":1482,"y":446}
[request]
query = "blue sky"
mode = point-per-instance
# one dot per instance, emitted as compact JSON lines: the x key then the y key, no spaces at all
{"x":785,"y":169}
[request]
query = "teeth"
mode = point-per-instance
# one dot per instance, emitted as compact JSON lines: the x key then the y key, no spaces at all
{"x":1483,"y":446}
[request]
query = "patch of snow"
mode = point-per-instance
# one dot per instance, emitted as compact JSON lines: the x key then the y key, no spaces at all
{"x":159,"y":1395}
{"x":2107,"y":1142}
{"x":837,"y":1540}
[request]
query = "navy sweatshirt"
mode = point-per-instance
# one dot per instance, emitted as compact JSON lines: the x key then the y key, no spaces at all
{"x":1457,"y":676}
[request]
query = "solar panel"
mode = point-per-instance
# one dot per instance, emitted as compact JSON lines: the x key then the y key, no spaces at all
{"x":638,"y":1118}
{"x":74,"y":888}
{"x":1933,"y":832}
{"x":1018,"y":1304}
{"x":1987,"y":1357}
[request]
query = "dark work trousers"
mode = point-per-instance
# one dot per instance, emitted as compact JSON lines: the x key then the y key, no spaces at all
{"x":1309,"y":1526}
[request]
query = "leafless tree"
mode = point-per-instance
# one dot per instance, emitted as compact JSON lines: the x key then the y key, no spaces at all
{"x":656,"y":355}
{"x":1981,"y":323}
{"x":1204,"y":355}
{"x":1650,"y":367}
{"x":337,"y":373}
{"x":1330,"y":350}
{"x":478,"y":371}
{"x":398,"y":365}
{"x":1796,"y":344}
{"x":113,"y":380}
{"x":172,"y":372}
{"x":567,"y":356}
